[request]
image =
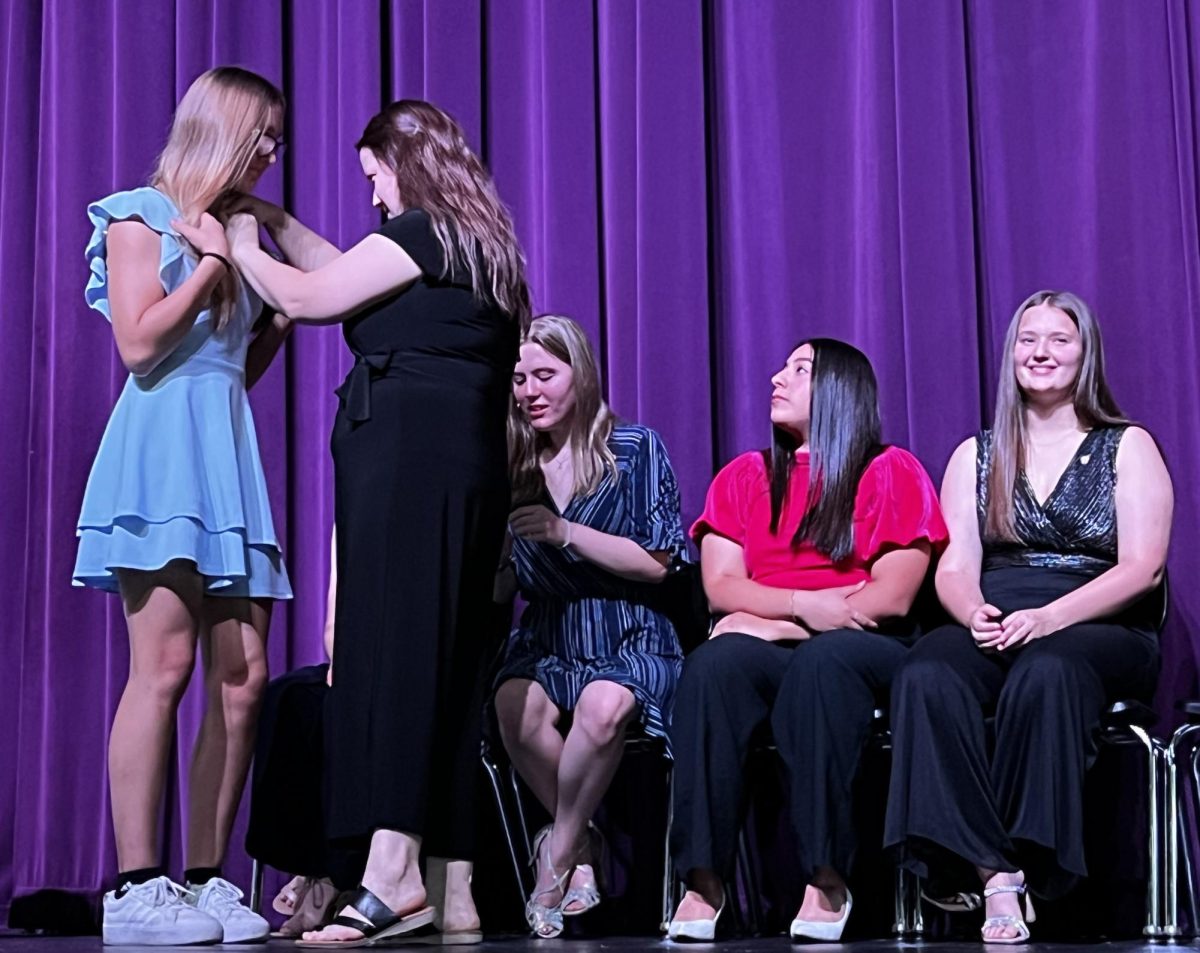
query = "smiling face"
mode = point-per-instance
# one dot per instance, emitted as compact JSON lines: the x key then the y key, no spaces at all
{"x":385,"y":193}
{"x":1047,"y":354}
{"x":266,"y":153}
{"x":791,"y":394}
{"x":544,"y":388}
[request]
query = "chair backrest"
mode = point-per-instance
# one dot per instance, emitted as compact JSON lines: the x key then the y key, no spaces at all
{"x":683,"y":602}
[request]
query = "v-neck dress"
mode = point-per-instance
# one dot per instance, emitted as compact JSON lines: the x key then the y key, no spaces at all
{"x":584,"y":624}
{"x":1075,"y":527}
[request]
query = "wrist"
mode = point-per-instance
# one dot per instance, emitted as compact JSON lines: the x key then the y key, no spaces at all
{"x":566,"y":535}
{"x":220,"y":257}
{"x":796,"y":607}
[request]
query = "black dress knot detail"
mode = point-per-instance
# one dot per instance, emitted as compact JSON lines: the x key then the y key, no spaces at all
{"x":355,"y":392}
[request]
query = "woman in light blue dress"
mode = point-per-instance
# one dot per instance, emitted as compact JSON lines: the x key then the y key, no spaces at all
{"x":175,"y":516}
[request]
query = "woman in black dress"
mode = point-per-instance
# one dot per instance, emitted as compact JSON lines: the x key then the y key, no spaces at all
{"x":433,"y":305}
{"x":1059,"y":521}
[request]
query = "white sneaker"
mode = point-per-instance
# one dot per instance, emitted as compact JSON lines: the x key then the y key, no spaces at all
{"x":222,"y":901}
{"x":156,"y":913}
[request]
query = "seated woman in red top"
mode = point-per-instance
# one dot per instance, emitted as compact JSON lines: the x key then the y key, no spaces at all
{"x":814,"y":552}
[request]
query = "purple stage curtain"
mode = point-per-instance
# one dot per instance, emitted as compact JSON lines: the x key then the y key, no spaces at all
{"x":700,"y":183}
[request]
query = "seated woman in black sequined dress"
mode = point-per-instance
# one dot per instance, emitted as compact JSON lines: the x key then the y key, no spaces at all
{"x":1059,"y":520}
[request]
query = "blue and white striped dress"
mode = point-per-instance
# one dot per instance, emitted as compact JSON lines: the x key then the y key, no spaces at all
{"x":584,"y":624}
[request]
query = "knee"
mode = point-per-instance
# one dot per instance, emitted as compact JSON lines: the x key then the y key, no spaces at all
{"x":1045,"y":678}
{"x":603,"y":711}
{"x":165,"y":677}
{"x":925,"y":678}
{"x":240,"y":687}
{"x":714,"y":660}
{"x":522,"y":711}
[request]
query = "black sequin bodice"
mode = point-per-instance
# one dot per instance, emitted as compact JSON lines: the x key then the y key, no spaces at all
{"x":1075,"y":528}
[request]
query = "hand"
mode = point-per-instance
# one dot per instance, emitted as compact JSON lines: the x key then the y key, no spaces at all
{"x":985,"y":626}
{"x":208,"y":236}
{"x":538,"y":524}
{"x":265,"y":213}
{"x":241,"y":231}
{"x":822,"y":610}
{"x":1025,"y":625}
{"x":770,"y":630}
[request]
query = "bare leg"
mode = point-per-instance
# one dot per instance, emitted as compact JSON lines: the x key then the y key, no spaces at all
{"x":162,"y":611}
{"x":393,"y":874}
{"x":233,"y":646}
{"x":824,"y":896}
{"x":1002,"y":904}
{"x":589,"y":760}
{"x":529,"y":729}
{"x":449,"y":885}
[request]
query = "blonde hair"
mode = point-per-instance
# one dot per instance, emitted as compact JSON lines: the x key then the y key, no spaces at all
{"x":437,"y":171}
{"x":212,"y":142}
{"x":1094,"y":404}
{"x":591,"y":423}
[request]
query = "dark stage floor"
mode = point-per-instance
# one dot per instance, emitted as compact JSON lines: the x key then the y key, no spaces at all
{"x":13,"y":943}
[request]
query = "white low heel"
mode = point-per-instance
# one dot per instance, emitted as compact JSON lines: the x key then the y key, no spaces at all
{"x":821,"y":930}
{"x":699,"y":931}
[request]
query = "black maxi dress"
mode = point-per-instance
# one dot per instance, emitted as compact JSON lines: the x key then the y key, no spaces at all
{"x":421,"y":501}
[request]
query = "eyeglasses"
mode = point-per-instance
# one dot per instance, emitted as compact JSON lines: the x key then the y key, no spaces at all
{"x":269,"y":145}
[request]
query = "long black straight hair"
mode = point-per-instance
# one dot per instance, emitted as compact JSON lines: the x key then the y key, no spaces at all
{"x":844,"y":436}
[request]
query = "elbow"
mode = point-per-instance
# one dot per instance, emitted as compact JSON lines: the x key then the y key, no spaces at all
{"x":656,"y":575}
{"x":1152,"y":573}
{"x":139,"y":361}
{"x":290,"y":306}
{"x":897,"y":605}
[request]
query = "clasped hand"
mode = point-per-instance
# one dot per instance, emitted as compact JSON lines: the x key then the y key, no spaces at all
{"x":538,"y":524}
{"x":207,"y":237}
{"x":990,"y":631}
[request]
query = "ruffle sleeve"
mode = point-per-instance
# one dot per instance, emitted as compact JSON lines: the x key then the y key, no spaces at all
{"x":155,"y":211}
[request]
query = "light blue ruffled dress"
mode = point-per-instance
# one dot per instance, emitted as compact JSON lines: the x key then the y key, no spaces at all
{"x":178,"y":475}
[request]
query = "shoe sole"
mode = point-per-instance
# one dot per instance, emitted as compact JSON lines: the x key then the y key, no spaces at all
{"x":414,"y":921}
{"x":131,"y":936}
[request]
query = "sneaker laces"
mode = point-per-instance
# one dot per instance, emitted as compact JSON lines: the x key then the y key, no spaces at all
{"x":222,"y":895}
{"x":160,"y":890}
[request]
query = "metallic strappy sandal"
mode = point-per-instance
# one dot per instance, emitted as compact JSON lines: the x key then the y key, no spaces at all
{"x":1016,"y":923}
{"x":546,"y":920}
{"x":586,"y":896}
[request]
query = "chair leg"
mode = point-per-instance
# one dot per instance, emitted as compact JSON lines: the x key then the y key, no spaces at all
{"x":668,"y":883}
{"x":493,"y":773}
{"x":514,"y":784}
{"x":745,"y":865}
{"x":909,"y":920}
{"x":256,"y":885}
{"x":1154,"y":924}
{"x":1176,"y":833}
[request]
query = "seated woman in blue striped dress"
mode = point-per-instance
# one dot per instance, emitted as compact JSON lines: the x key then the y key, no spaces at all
{"x":598,"y":527}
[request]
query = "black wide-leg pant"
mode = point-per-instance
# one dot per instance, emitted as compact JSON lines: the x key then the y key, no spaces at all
{"x":955,"y":802}
{"x":817,"y":697}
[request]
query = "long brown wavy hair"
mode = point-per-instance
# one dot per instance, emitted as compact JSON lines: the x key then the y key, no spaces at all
{"x":1094,"y":403}
{"x":591,"y":423}
{"x":211,"y":144}
{"x":437,"y":171}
